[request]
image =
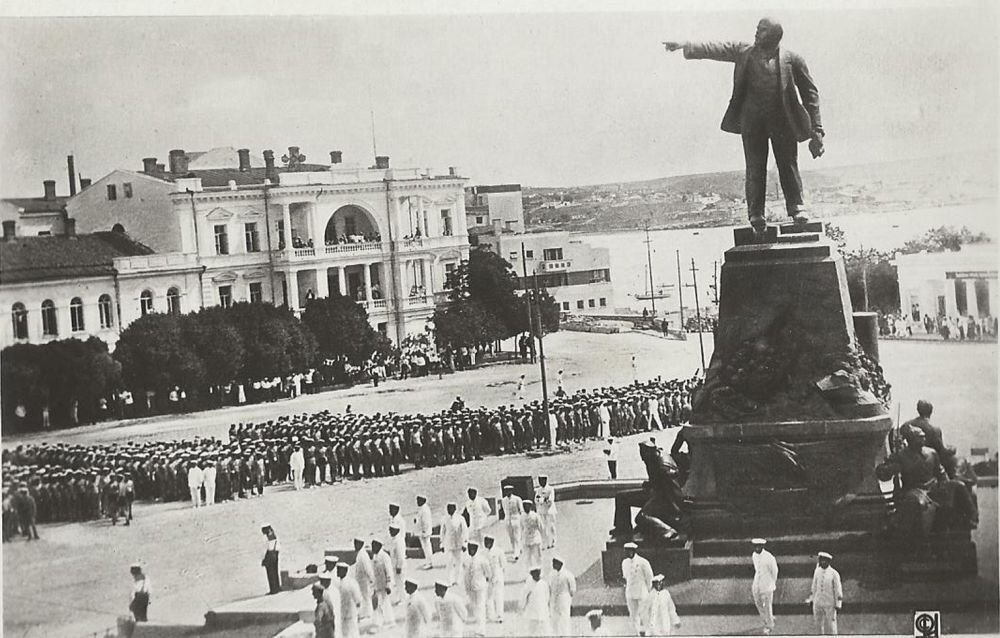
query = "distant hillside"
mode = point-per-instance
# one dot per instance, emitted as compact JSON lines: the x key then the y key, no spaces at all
{"x":710,"y":199}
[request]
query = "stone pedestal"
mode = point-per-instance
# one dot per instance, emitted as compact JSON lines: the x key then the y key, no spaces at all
{"x":674,"y":562}
{"x":786,"y":426}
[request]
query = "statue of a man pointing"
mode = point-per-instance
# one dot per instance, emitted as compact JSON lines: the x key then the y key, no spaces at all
{"x":774,"y":98}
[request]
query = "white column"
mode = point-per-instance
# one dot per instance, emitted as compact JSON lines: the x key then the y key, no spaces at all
{"x":421,"y":215}
{"x":292,"y":277}
{"x":971,"y":302}
{"x":342,"y":280}
{"x":368,"y":282}
{"x":287,"y":219}
{"x":322,"y":283}
{"x":950,"y":303}
{"x":991,"y":287}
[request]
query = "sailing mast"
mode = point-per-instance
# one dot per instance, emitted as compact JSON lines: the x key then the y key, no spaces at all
{"x":649,"y":261}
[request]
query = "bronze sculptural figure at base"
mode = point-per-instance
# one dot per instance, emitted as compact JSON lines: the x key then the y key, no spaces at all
{"x":660,"y":500}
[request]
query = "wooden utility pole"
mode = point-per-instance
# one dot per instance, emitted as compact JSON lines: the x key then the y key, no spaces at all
{"x":541,"y":356}
{"x":527,"y":296}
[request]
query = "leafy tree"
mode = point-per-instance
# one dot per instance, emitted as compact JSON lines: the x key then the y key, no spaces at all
{"x":466,"y":323}
{"x":944,"y":238}
{"x":155,"y":356}
{"x":217,"y":343}
{"x":340,"y":328}
{"x":876,"y":268}
{"x":270,"y":336}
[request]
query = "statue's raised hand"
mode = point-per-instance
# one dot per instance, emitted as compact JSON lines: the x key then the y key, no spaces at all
{"x":673,"y":46}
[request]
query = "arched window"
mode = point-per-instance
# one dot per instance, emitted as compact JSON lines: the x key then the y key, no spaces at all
{"x":76,"y":315}
{"x":19,"y":315}
{"x":173,"y":301}
{"x":106,"y":311}
{"x":50,"y":325}
{"x":146,"y":302}
{"x":118,"y":228}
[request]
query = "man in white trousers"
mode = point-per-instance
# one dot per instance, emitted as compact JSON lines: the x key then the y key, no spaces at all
{"x":498,"y":566}
{"x":418,"y":612}
{"x":532,"y":535}
{"x":195,"y":479}
{"x":562,"y":588}
{"x":512,"y":510}
{"x":536,"y":607}
{"x":827,"y":595}
{"x":476,"y":575}
{"x":397,"y":553}
{"x":638,"y":583}
{"x":350,"y":603}
{"x":450,"y":610}
{"x":209,"y":473}
{"x":297,"y":463}
{"x":765,"y":581}
{"x":479,"y":514}
{"x":454,"y":536}
{"x":425,"y":529}
{"x":663,"y":618}
{"x":383,"y":615}
{"x":363,"y":574}
{"x":545,"y":499}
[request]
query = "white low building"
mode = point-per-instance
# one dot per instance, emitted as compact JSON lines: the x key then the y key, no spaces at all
{"x":950,"y":284}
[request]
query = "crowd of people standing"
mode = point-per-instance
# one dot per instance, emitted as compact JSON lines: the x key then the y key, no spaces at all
{"x":88,"y":482}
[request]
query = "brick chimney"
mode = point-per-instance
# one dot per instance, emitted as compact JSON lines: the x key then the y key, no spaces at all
{"x":84,"y":183}
{"x":382,"y":161}
{"x":149,"y":165}
{"x":453,"y":171}
{"x":71,"y":170}
{"x":8,"y":230}
{"x":336,"y":157}
{"x":244,"y":154}
{"x":269,"y":170}
{"x":178,"y":162}
{"x":161,"y":168}
{"x":50,"y":189}
{"x":70,"y":225}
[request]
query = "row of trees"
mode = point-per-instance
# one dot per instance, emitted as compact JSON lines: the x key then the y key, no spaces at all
{"x":873,"y":269}
{"x":72,"y":381}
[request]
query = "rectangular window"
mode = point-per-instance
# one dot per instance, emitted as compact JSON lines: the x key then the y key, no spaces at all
{"x":553,"y":254}
{"x":127,"y":189}
{"x":565,"y":305}
{"x":579,"y":304}
{"x":76,"y":316}
{"x":252,"y":237}
{"x":225,"y":296}
{"x":221,"y":240}
{"x":281,"y":234}
{"x":112,"y":191}
{"x":604,"y":302}
{"x":446,"y":222}
{"x":590,"y":303}
{"x":105,"y":310}
{"x":479,"y":220}
{"x":256,"y":292}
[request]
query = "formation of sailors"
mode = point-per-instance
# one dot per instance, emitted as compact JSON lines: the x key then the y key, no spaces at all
{"x":80,"y":483}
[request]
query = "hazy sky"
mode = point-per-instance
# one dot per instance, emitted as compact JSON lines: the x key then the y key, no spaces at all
{"x":540,"y":99}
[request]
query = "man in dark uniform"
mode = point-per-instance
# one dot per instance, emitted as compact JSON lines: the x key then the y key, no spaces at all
{"x":774,"y":98}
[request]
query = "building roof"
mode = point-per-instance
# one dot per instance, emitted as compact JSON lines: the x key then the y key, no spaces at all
{"x":215,"y":177}
{"x":24,"y":259}
{"x":38,"y":204}
{"x":497,"y":188}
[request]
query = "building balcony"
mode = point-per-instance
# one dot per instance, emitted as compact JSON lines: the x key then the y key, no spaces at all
{"x":416,"y":244}
{"x":558,"y":265}
{"x":317,"y":253}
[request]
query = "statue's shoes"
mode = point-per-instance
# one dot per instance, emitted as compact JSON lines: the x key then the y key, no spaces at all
{"x":758,"y":223}
{"x":800,"y":218}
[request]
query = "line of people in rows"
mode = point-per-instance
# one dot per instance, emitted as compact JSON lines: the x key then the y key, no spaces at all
{"x":79,"y":483}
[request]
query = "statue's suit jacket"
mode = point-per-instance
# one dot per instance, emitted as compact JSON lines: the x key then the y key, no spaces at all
{"x":802,"y":114}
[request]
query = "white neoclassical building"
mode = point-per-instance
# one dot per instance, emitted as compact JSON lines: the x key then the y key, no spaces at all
{"x":959,"y":283}
{"x":384,"y":237}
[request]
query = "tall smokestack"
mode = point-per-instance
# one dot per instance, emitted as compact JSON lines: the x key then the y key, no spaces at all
{"x":269,"y":171}
{"x":84,"y":183}
{"x":50,"y":189}
{"x":70,"y":168}
{"x":149,"y":165}
{"x":244,"y":154}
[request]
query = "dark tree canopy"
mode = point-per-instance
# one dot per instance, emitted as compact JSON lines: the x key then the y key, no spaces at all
{"x":340,"y":326}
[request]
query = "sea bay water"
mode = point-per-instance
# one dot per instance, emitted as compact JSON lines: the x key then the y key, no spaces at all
{"x":884,"y":231}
